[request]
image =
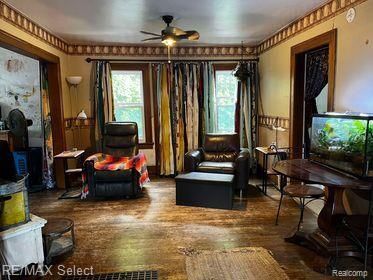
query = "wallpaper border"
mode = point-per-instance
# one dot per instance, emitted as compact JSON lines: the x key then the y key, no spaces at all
{"x":325,"y":12}
{"x":160,"y":51}
{"x":24,"y":23}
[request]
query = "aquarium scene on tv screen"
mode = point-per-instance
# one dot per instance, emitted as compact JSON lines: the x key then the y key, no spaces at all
{"x":344,"y":142}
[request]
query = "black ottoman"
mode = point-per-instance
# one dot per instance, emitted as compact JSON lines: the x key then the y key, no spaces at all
{"x":205,"y":190}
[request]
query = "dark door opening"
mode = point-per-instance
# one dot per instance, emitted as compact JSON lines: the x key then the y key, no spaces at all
{"x":315,"y":98}
{"x":312,"y":87}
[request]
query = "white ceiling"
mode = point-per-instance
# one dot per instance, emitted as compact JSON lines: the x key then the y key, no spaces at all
{"x":119,"y":21}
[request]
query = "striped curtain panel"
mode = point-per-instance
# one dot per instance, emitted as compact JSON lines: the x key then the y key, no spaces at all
{"x":209,"y":97}
{"x":48,"y":177}
{"x":166,"y":149}
{"x":102,"y":91}
{"x":183,"y":117}
{"x":246,"y":124}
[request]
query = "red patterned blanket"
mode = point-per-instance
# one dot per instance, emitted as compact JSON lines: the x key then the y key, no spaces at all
{"x":108,"y":162}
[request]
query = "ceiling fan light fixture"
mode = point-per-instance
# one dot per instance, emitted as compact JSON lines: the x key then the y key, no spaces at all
{"x":168,"y":41}
{"x":171,"y":34}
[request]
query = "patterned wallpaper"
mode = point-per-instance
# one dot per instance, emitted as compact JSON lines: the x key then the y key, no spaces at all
{"x":20,"y":88}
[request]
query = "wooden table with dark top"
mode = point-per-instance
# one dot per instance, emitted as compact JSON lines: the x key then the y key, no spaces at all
{"x":323,"y":239}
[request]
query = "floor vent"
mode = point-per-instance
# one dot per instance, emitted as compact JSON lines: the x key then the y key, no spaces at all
{"x":130,"y":275}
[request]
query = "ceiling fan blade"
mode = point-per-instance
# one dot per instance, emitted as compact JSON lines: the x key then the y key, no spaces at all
{"x":152,"y":38}
{"x":149,"y":33}
{"x":178,"y":31}
{"x":172,"y":31}
{"x":192,"y":35}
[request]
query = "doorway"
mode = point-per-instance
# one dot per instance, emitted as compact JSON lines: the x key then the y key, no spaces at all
{"x":52,"y":71}
{"x":312,"y":87}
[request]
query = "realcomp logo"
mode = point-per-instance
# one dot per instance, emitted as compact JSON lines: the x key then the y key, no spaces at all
{"x":350,"y":273}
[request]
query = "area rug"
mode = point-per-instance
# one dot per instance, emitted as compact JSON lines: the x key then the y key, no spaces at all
{"x":129,"y":275}
{"x":234,"y":264}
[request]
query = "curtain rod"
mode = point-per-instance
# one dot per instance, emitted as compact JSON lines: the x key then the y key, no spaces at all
{"x":89,"y":60}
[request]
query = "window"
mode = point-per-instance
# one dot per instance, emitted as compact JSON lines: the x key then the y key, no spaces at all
{"x":226,"y":97}
{"x":132,"y":98}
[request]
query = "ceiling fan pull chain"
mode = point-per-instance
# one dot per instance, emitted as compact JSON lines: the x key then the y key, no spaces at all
{"x":169,"y":54}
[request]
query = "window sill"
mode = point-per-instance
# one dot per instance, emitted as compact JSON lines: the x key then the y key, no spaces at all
{"x":146,"y":146}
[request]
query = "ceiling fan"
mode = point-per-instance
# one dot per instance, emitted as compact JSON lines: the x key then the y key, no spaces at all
{"x":170,"y":35}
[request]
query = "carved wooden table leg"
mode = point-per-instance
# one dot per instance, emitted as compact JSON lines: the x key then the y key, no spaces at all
{"x":323,"y":240}
{"x":328,"y":220}
{"x":326,"y":237}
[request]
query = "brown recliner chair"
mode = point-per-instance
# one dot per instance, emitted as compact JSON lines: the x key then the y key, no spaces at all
{"x":221,"y":153}
{"x":120,"y":139}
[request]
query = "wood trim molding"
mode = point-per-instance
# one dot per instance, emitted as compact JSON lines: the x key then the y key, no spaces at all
{"x":224,"y":66}
{"x":21,"y":21}
{"x":269,"y":121}
{"x":327,"y":11}
{"x":145,"y":68}
{"x":15,"y":44}
{"x":321,"y":14}
{"x":297,"y":76}
{"x":70,"y":123}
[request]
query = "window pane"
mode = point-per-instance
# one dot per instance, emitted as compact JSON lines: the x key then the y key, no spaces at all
{"x":226,"y":84}
{"x":226,"y":96}
{"x":131,"y":114}
{"x":128,"y":95}
{"x":127,"y":86}
{"x":226,"y":118}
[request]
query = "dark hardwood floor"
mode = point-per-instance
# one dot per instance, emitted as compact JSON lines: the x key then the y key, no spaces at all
{"x":147,"y":233}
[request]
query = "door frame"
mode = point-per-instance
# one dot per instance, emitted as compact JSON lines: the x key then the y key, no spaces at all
{"x":52,"y":61}
{"x":297,"y":69}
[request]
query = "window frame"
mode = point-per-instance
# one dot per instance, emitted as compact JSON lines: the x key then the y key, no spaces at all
{"x":144,"y":67}
{"x":222,"y":67}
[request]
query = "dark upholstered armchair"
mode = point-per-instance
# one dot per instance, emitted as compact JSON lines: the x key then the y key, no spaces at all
{"x":120,"y":139}
{"x":221,"y":153}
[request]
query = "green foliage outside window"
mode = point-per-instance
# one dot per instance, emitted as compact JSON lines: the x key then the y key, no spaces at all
{"x":226,"y":96}
{"x":133,"y":114}
{"x":128,"y":98}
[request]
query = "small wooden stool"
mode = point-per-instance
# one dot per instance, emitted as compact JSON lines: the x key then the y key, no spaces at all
{"x":55,"y":240}
{"x":302,"y":192}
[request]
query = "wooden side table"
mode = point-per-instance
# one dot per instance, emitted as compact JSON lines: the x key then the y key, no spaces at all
{"x":70,"y":155}
{"x":266,"y":153}
{"x":56,"y":239}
